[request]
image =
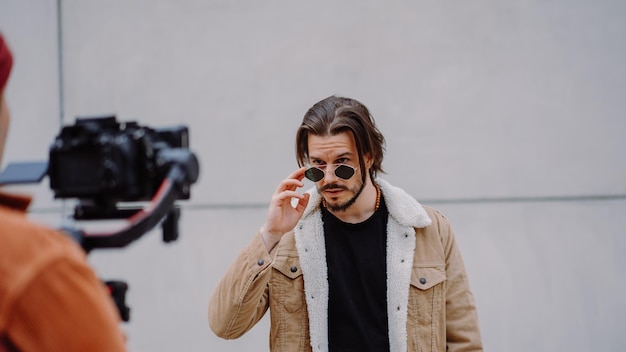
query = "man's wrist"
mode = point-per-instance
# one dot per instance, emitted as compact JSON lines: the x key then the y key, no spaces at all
{"x":270,"y":240}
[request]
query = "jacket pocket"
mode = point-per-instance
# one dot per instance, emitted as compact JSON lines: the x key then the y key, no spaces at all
{"x":425,"y":323}
{"x":288,"y":313}
{"x":424,"y":278}
{"x":287,"y":283}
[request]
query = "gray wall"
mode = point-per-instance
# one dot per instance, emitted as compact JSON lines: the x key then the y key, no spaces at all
{"x":507,"y":116}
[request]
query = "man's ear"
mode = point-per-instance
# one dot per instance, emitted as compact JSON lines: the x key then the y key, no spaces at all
{"x":369,"y":161}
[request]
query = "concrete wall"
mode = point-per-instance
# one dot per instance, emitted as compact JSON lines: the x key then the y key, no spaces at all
{"x":507,"y":116}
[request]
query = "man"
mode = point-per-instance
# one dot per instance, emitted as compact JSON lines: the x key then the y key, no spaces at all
{"x":354,"y":265}
{"x":50,"y":299}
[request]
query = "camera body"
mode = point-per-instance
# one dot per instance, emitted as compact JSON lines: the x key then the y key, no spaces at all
{"x":103,"y":161}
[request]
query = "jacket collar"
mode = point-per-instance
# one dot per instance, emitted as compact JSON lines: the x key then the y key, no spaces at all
{"x":14,"y":201}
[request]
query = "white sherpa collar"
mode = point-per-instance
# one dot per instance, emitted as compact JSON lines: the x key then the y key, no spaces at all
{"x":405,"y":214}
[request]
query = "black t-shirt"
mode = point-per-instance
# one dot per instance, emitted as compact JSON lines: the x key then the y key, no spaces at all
{"x":357,"y":276}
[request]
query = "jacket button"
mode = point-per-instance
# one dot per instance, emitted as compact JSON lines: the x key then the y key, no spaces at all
{"x":260,"y":262}
{"x":293,"y":269}
{"x":422,"y":280}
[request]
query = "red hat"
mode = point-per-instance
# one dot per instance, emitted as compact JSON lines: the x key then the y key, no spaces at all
{"x":6,"y":61}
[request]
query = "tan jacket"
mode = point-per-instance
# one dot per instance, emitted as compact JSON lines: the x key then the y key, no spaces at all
{"x":429,"y":302}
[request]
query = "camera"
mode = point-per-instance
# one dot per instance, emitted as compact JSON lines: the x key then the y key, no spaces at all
{"x":102,"y":161}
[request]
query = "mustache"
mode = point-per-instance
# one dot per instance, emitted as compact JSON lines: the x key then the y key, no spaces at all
{"x":333,"y":186}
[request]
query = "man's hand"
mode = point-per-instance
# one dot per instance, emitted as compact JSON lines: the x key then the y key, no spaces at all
{"x":281,"y":215}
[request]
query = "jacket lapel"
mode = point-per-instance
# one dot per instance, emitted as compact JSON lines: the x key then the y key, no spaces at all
{"x":309,"y":235}
{"x":405,"y":214}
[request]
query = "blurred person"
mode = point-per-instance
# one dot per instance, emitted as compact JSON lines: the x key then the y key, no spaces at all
{"x":50,"y":299}
{"x":354,"y":264}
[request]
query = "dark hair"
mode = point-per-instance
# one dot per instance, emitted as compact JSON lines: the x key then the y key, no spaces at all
{"x":335,"y":115}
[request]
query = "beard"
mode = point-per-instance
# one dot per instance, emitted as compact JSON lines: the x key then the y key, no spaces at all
{"x":356,"y":191}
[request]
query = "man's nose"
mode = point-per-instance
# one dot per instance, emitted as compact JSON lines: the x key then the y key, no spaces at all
{"x":329,"y":174}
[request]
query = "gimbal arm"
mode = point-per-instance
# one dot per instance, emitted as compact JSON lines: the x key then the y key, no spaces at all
{"x":183,"y":172}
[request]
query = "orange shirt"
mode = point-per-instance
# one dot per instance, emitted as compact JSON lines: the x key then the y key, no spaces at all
{"x":50,"y":299}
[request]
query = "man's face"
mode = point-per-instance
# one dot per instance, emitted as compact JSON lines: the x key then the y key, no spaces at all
{"x":325,"y":152}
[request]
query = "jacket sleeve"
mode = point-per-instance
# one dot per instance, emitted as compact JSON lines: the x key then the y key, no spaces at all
{"x":462,"y":326}
{"x":241,"y":298}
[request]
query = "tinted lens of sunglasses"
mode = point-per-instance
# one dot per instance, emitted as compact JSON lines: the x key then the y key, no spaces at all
{"x":344,"y":171}
{"x":314,"y":174}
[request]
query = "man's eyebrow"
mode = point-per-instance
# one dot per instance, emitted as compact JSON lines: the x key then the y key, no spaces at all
{"x":339,"y":156}
{"x":343,"y":155}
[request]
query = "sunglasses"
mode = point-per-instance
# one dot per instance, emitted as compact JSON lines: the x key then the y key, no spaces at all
{"x":342,"y":171}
